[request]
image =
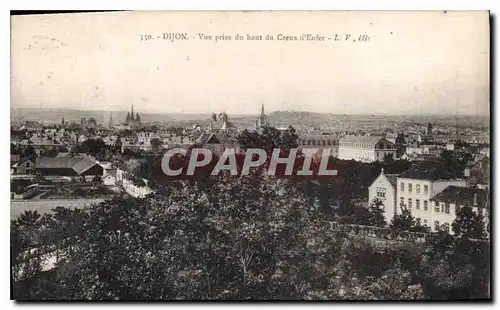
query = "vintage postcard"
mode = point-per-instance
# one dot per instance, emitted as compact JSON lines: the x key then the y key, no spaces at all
{"x":261,"y":155}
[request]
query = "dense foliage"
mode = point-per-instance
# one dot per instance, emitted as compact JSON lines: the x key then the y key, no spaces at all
{"x":255,"y":238}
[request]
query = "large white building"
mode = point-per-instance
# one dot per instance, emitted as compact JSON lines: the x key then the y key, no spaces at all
{"x":320,"y":142}
{"x":365,"y":148}
{"x":416,"y":187}
{"x":445,"y":204}
{"x":384,"y":188}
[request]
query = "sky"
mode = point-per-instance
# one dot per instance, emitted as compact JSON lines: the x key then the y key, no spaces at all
{"x":415,"y":63}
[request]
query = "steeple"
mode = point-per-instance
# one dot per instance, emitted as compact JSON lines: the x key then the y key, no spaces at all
{"x":262,"y":117}
{"x":110,"y":120}
{"x":132,"y":113}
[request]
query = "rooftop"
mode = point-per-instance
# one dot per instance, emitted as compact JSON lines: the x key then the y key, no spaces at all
{"x":427,"y":171}
{"x":79,"y":164}
{"x":463,"y":196}
{"x":363,"y":139}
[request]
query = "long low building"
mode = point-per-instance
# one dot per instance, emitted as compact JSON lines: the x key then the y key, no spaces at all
{"x":68,"y":166}
{"x":366,"y":148}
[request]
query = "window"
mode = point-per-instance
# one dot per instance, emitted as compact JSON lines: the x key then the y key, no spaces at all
{"x":417,"y":188}
{"x":426,"y":189}
{"x":442,"y":207}
{"x":425,"y":222}
{"x":380,"y":192}
{"x":402,"y":200}
{"x":402,"y":187}
{"x":417,"y":202}
{"x":446,"y":227}
{"x":426,"y":205}
{"x":447,"y":208}
{"x":436,"y":206}
{"x":409,"y":203}
{"x":409,"y":187}
{"x":436,"y":225}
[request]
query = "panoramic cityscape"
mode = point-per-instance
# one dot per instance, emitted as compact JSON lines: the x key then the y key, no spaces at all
{"x":405,"y":217}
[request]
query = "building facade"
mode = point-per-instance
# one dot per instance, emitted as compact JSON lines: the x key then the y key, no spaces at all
{"x":384,"y":189}
{"x":415,"y":188}
{"x":447,"y":202}
{"x":365,"y":148}
{"x":319,"y":142}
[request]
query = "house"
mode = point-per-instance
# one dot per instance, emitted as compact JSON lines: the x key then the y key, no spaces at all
{"x":415,"y":188}
{"x":384,"y":188}
{"x":448,"y":201}
{"x":366,"y":148}
{"x":68,"y":166}
{"x":218,"y":143}
{"x":32,"y":126}
{"x":20,"y":165}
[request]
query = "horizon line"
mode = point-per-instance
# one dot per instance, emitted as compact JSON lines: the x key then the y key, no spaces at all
{"x":243,"y":114}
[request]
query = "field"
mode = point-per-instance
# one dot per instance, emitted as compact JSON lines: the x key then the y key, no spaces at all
{"x":17,"y":207}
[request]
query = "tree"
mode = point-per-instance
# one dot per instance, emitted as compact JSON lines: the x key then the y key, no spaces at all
{"x":219,"y":238}
{"x":29,"y":152}
{"x":468,"y":224}
{"x":249,"y":139}
{"x":388,"y":158}
{"x":156,"y":145}
{"x":453,"y":163}
{"x":455,"y":268}
{"x":360,"y":215}
{"x":377,"y":217}
{"x":404,"y":221}
{"x":289,"y":138}
{"x":269,"y":139}
{"x":394,"y":284}
{"x":92,"y":147}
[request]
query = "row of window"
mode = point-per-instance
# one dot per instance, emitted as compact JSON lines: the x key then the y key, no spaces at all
{"x":445,"y":208}
{"x":317,"y":142}
{"x":381,"y":192}
{"x":358,"y":145}
{"x":417,"y":188}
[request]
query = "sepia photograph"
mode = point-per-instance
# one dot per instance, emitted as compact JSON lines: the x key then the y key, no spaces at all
{"x":250,"y":156}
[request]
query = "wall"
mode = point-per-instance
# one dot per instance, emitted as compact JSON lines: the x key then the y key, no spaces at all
{"x":130,"y":188}
{"x":390,"y":196}
{"x":434,"y":187}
